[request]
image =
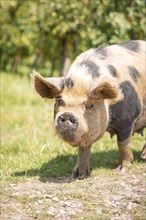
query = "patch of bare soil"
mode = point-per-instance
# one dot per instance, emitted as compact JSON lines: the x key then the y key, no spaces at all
{"x":113,"y":197}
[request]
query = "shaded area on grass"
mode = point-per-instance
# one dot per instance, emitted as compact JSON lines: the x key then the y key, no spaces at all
{"x":62,"y":165}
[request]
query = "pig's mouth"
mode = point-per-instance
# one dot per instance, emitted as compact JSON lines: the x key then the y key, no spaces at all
{"x":67,"y":135}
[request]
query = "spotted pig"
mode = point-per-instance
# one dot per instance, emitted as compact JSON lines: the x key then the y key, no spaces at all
{"x":105,"y":90}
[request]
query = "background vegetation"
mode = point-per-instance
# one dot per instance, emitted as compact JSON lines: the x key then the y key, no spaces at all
{"x":35,"y":164}
{"x":48,"y":34}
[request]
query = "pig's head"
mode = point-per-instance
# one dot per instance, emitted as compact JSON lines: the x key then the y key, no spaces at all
{"x":81,"y":109}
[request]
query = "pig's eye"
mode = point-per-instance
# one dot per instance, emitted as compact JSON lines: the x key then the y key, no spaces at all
{"x":60,"y":102}
{"x":89,"y":106}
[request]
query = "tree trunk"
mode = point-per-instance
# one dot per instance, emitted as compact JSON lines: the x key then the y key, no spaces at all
{"x":66,"y":52}
{"x":37,"y":59}
{"x":16,"y":62}
{"x":52,"y":68}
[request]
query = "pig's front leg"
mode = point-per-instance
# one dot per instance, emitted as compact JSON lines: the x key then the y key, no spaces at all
{"x":82,"y":168}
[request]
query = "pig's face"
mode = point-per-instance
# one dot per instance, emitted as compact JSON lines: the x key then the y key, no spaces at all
{"x":81,"y":110}
{"x":79,"y":119}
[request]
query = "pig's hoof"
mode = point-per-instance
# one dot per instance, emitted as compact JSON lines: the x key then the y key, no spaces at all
{"x":143,"y":153}
{"x":80,"y":174}
{"x":143,"y":156}
{"x":122,"y":169}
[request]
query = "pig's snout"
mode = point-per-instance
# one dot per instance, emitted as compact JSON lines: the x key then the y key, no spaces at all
{"x":67,"y":121}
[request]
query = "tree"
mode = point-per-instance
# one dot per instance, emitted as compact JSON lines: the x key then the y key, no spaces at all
{"x":51,"y":33}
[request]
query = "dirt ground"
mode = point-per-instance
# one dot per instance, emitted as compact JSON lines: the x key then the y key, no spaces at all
{"x":113,"y":197}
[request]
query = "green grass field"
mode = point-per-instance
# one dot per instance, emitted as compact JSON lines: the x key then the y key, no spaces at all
{"x":30,"y":149}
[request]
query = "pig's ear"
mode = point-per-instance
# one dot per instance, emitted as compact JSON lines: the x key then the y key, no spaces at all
{"x":47,"y":87}
{"x":104,"y":91}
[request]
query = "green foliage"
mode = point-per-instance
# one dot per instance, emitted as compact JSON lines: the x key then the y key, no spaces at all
{"x":41,"y":31}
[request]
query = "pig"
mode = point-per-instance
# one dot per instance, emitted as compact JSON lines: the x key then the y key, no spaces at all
{"x":104,"y":90}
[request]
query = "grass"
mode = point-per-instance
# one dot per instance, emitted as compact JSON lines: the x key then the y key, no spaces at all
{"x":27,"y":137}
{"x":30,"y":151}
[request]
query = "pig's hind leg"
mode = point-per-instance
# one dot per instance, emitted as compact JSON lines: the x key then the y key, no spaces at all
{"x":125,"y":151}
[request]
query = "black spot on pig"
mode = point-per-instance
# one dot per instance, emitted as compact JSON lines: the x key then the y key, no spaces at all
{"x":131,"y":45}
{"x":69,"y":83}
{"x":123,"y":113}
{"x":92,"y":68}
{"x":112,"y":70}
{"x":102,"y":52}
{"x":133,"y":73}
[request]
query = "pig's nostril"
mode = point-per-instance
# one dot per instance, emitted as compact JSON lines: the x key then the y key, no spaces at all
{"x":61,"y":119}
{"x":73,"y":120}
{"x":67,"y":120}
